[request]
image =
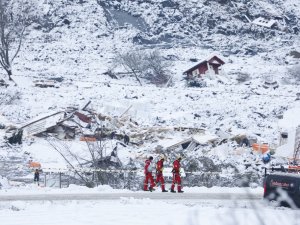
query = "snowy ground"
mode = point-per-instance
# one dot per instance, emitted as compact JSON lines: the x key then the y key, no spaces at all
{"x":132,"y":210}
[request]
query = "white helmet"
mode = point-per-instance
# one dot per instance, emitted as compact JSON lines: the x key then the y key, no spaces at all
{"x":162,"y":157}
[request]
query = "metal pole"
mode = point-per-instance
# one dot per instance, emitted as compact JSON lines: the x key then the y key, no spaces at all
{"x":45,"y":181}
{"x":265,"y":171}
{"x":59,"y":179}
{"x":124,"y":182}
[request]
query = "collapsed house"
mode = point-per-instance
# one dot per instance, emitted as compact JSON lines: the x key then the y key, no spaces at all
{"x":87,"y":126}
{"x":94,"y":128}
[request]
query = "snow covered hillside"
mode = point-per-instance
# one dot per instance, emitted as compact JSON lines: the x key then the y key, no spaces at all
{"x":74,"y":43}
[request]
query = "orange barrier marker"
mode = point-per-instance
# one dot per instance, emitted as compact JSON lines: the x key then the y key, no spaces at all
{"x":34,"y":165}
{"x":256,"y":147}
{"x":264,"y":148}
{"x":260,"y":148}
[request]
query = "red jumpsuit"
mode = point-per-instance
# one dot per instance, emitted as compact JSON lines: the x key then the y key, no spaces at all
{"x":159,"y":174}
{"x":176,"y":175}
{"x":148,"y":175}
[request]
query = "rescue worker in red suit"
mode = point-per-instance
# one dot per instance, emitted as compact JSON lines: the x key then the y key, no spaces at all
{"x":148,"y":175}
{"x":176,"y":175}
{"x":159,"y":173}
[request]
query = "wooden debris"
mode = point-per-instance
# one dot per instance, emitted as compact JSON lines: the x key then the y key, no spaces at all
{"x":89,"y":139}
{"x":83,"y":117}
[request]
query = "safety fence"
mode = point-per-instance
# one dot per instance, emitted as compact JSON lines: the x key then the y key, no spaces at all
{"x":133,"y":179}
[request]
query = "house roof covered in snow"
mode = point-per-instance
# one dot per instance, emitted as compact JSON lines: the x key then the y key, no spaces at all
{"x":213,"y":59}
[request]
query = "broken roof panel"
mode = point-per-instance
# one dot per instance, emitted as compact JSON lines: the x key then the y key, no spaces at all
{"x":180,"y":143}
{"x":42,"y":123}
{"x":198,"y":138}
{"x":264,"y":22}
{"x":205,"y":138}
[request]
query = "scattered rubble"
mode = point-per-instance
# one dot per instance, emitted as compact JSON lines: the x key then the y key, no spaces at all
{"x":270,"y":84}
{"x":89,"y":126}
{"x":45,"y":83}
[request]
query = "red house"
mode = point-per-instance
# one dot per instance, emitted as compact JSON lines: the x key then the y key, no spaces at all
{"x":211,"y":65}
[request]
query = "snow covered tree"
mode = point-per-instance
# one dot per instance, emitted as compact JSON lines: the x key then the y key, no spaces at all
{"x":157,"y":68}
{"x":148,"y":65}
{"x":15,"y":16}
{"x":133,"y":62}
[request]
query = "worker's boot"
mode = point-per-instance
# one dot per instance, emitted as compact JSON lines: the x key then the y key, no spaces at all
{"x":151,"y":189}
{"x":164,"y":191}
{"x":180,"y":191}
{"x":173,"y":191}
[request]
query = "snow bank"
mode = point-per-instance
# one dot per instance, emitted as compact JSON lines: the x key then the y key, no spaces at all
{"x":291,"y":119}
{"x":4,"y":184}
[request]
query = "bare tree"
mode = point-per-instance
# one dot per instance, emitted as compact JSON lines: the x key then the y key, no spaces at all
{"x":157,"y":68}
{"x":149,"y":65}
{"x":133,"y":62}
{"x":15,"y":16}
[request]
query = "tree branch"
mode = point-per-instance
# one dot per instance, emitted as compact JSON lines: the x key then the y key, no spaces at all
{"x":19,"y":45}
{"x":65,"y":158}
